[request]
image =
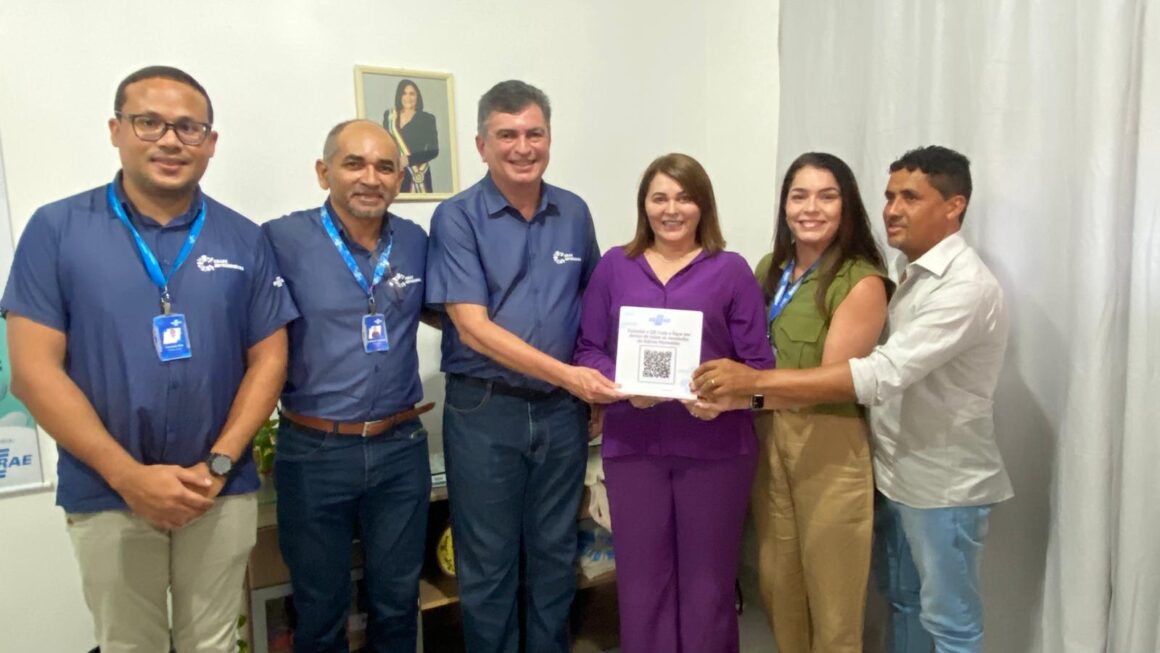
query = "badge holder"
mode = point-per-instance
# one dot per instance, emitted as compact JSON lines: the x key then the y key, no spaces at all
{"x":374,"y":333}
{"x":171,"y":337}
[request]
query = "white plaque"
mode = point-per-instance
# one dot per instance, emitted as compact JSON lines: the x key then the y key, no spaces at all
{"x":657,"y":350}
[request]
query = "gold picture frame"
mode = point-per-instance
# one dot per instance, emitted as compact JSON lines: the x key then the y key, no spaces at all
{"x":418,"y":108}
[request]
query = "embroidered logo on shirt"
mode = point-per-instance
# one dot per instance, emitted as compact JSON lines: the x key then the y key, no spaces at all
{"x":207,"y":263}
{"x":400,"y":280}
{"x":564,"y":257}
{"x":279,"y":282}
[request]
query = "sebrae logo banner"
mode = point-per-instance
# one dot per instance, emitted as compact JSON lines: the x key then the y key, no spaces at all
{"x":20,"y":464}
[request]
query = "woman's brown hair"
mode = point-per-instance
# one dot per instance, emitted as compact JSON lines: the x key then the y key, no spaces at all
{"x":693,"y":179}
{"x":854,"y":239}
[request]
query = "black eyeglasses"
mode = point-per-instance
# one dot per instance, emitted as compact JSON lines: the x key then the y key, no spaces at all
{"x":150,"y":127}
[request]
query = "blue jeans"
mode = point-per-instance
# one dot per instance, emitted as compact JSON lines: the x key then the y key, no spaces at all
{"x":926,"y":562}
{"x":515,"y":472}
{"x":331,"y":489}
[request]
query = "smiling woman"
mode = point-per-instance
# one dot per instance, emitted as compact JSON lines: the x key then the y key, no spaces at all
{"x":415,"y":135}
{"x":417,"y":108}
{"x":673,"y":217}
{"x":813,"y":495}
{"x":678,"y":475}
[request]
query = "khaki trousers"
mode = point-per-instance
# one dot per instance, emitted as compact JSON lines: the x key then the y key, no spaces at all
{"x":129,"y":568}
{"x":813,"y":506}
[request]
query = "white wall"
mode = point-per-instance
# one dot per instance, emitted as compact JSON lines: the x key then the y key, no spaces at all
{"x":628,"y":81}
{"x":741,"y":120}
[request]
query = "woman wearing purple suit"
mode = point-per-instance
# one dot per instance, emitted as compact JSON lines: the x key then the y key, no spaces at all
{"x":678,"y":476}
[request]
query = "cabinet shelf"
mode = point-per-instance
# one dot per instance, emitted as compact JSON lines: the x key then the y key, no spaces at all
{"x":267,"y":569}
{"x":268,"y":577}
{"x":438,"y":590}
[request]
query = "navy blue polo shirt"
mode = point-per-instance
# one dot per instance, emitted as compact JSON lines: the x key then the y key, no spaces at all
{"x":331,"y":375}
{"x":529,"y":274}
{"x":77,"y":270}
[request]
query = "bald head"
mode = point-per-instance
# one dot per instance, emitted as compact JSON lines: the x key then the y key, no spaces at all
{"x":332,"y":138}
{"x":361,"y":169}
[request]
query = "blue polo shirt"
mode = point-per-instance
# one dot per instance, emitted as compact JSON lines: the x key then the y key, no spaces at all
{"x":77,"y":270}
{"x":529,"y":274}
{"x":331,"y":375}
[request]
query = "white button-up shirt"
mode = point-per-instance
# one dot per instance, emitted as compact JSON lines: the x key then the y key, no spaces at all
{"x":930,"y":385}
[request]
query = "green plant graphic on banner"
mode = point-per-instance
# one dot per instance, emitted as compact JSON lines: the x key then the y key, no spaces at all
{"x":20,"y":462}
{"x":12,"y":412}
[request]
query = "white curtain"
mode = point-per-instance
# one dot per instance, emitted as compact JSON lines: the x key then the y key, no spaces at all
{"x":1057,"y":104}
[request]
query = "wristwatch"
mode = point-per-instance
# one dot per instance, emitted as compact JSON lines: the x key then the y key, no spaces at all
{"x":757,"y":402}
{"x":220,"y":465}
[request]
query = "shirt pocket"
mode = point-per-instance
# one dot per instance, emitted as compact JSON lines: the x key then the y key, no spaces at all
{"x":798,"y":340}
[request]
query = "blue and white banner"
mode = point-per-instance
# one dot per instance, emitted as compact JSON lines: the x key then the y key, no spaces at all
{"x":20,"y":463}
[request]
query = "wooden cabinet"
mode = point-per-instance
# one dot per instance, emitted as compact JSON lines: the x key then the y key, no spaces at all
{"x":595,"y":625}
{"x":594,"y":620}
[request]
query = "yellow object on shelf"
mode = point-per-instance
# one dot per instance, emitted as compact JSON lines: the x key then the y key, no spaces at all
{"x":445,"y":553}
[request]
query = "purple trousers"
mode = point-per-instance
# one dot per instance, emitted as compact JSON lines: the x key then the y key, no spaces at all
{"x":677,"y":526}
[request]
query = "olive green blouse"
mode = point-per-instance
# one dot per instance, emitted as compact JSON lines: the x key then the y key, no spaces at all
{"x":799,"y":332}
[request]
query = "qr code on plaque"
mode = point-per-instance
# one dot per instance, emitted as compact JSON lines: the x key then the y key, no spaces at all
{"x":656,"y":365}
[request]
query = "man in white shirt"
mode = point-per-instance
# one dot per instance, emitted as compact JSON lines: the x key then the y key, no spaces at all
{"x":929,"y":387}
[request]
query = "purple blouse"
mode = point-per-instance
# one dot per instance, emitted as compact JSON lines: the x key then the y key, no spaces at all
{"x":724,"y":289}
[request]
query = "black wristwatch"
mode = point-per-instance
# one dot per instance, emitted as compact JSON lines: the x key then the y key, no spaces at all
{"x":220,"y":465}
{"x":757,"y":402}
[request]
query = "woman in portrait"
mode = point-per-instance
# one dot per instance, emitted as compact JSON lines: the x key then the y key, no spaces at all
{"x":813,"y":498}
{"x":414,"y":132}
{"x":678,"y":474}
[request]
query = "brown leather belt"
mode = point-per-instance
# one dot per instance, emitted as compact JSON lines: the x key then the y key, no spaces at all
{"x":363,"y":429}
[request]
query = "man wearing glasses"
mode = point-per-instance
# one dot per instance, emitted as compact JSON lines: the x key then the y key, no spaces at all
{"x":146,"y":328}
{"x":352,"y":453}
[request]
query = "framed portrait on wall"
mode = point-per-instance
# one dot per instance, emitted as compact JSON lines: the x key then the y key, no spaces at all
{"x":418,"y":109}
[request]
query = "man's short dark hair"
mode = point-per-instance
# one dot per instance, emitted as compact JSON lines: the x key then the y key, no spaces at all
{"x":160,"y":72}
{"x":512,"y":96}
{"x":947,"y":170}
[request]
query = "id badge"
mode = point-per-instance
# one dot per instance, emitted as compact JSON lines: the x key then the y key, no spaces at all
{"x":374,"y":333}
{"x":171,"y":337}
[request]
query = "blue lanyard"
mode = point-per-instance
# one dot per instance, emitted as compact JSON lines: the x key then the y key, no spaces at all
{"x":380,"y":268}
{"x":159,"y":278}
{"x":785,"y":291}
